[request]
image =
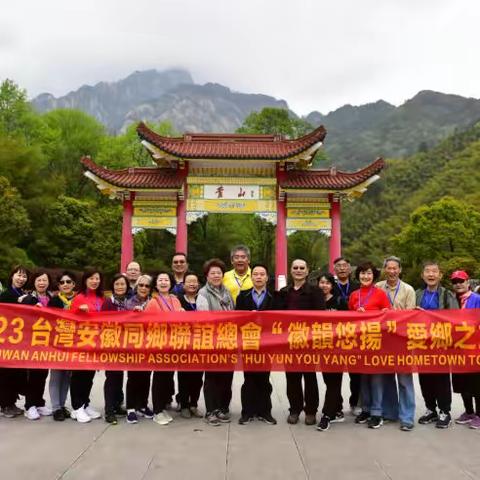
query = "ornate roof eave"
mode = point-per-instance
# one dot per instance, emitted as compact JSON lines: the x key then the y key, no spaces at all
{"x":118,"y":183}
{"x":232,"y":147}
{"x":350,"y":185}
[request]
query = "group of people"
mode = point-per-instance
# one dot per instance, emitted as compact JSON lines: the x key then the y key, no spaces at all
{"x":374,"y":398}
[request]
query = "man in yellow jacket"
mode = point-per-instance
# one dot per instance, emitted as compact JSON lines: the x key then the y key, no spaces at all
{"x":240,"y":277}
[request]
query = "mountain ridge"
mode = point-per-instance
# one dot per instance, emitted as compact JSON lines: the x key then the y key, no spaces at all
{"x":357,"y":134}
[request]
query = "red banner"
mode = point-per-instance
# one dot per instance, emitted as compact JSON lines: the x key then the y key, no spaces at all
{"x":395,"y":341}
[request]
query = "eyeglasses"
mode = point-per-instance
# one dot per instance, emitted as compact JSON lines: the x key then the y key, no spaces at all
{"x":65,"y":282}
{"x":143,"y":285}
{"x":298,"y":268}
{"x":178,"y":262}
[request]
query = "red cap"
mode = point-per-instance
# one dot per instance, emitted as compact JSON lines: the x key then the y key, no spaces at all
{"x":460,"y":275}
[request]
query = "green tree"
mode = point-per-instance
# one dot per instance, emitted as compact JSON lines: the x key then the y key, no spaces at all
{"x":275,"y":121}
{"x":17,"y":118}
{"x":72,"y":135}
{"x":126,"y":150}
{"x":75,"y":233}
{"x":14,"y":224}
{"x":446,"y":229}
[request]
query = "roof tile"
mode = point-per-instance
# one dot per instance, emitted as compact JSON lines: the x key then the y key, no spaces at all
{"x":225,"y":146}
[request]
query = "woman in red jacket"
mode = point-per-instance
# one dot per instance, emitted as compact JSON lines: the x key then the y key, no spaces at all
{"x":89,"y":299}
{"x":162,"y":382}
{"x":369,"y":297}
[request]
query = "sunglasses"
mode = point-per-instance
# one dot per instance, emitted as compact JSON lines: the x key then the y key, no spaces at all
{"x":298,"y":268}
{"x":179,"y":262}
{"x":457,"y":281}
{"x":143,"y":285}
{"x":65,"y":282}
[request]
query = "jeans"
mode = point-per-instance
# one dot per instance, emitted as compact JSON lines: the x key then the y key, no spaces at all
{"x":371,"y":389}
{"x":399,"y":405}
{"x":58,"y":387}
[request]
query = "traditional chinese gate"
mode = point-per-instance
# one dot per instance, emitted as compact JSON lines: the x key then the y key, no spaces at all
{"x":198,"y":174}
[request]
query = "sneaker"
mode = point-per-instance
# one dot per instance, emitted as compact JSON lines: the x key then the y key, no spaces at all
{"x":375,"y":421}
{"x":339,"y":418}
{"x":475,"y":423}
{"x":92,"y":413}
{"x":16,"y":410}
{"x":355,"y":411}
{"x":132,"y":417}
{"x":111,"y":418}
{"x":196,"y":412}
{"x":310,"y":419}
{"x":362,"y":418}
{"x":170,"y":418}
{"x":212,"y":420}
{"x":465,"y":418}
{"x":120,"y":412}
{"x":324,"y":424}
{"x":293,"y":418}
{"x":32,"y":413}
{"x":406,"y":427}
{"x":244,"y":419}
{"x":185,"y":413}
{"x":444,"y":420}
{"x":161,"y":418}
{"x":223,"y":416}
{"x":390,"y":420}
{"x":428,"y":417}
{"x":268,"y":419}
{"x":145,"y":412}
{"x":80,"y":415}
{"x":44,"y":411}
{"x":59,"y":415}
{"x":10,"y":412}
{"x":66,"y":412}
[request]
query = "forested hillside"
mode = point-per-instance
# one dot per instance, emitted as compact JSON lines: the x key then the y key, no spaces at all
{"x":408,"y":195}
{"x":425,"y":206}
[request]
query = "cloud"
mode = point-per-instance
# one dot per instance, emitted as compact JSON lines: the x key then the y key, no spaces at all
{"x":316,"y":55}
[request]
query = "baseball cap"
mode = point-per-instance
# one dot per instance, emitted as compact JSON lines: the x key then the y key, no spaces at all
{"x":459,"y":275}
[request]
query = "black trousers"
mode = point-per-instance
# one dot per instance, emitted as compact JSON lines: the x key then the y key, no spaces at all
{"x":189,"y":387}
{"x":138,"y":389}
{"x":80,"y":387}
{"x":113,"y":390}
{"x":256,"y":394}
{"x":355,"y":379}
{"x":436,"y":390}
{"x":35,"y":387}
{"x":468,"y":404}
{"x":295,"y":393}
{"x":333,"y":395}
{"x":12,"y":383}
{"x":217,"y":391}
{"x":161,"y":393}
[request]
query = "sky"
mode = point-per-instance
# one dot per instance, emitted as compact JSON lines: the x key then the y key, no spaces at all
{"x":316,"y":55}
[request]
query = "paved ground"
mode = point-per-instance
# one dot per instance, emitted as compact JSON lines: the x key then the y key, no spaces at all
{"x":190,"y":449}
